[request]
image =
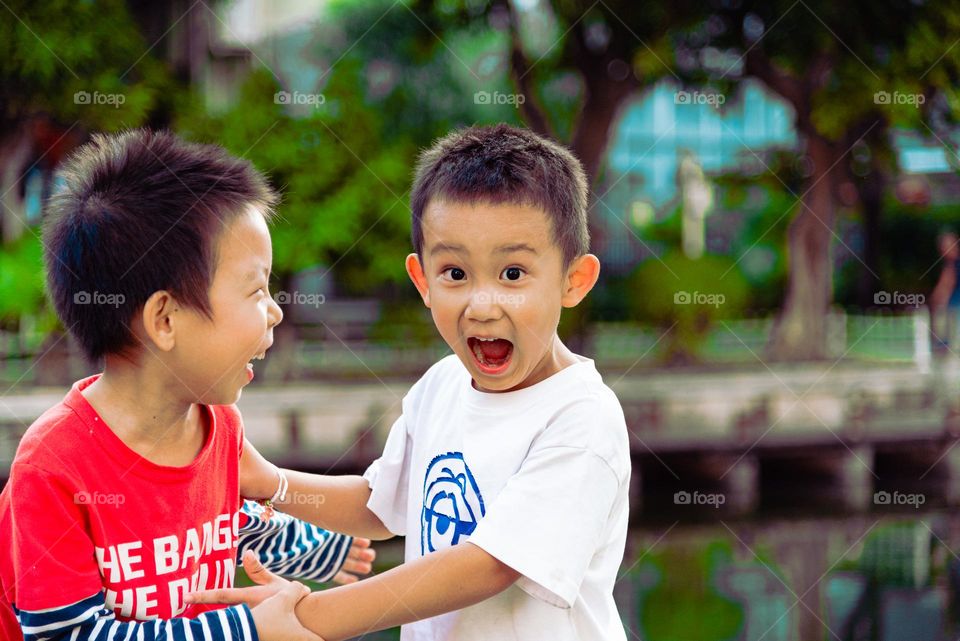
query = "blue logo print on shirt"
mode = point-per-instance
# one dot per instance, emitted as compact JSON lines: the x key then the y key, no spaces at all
{"x":452,"y":504}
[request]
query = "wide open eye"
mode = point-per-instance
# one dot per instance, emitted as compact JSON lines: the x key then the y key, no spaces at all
{"x":454,"y":273}
{"x":512,"y":273}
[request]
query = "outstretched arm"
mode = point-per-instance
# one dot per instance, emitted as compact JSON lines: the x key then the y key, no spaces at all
{"x":431,"y":585}
{"x":336,"y":503}
{"x":423,"y":588}
{"x":299,"y":550}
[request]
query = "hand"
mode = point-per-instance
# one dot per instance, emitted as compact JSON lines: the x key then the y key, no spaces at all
{"x":267,"y":586}
{"x":359,"y":562}
{"x":276,"y":618}
{"x":272,"y":601}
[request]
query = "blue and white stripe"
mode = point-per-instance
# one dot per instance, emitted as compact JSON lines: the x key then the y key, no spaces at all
{"x":90,"y":620}
{"x":291,"y":547}
{"x":284,"y":545}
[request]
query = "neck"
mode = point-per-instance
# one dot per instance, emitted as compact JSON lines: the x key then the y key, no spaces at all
{"x":143,"y":408}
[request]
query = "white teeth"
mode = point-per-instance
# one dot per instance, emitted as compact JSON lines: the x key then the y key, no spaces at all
{"x":486,"y":339}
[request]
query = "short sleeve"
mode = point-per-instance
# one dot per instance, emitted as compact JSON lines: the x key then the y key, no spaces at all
{"x":53,"y":555}
{"x":548,"y":520}
{"x":389,"y":479}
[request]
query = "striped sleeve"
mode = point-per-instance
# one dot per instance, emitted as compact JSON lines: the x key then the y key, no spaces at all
{"x":290,"y":547}
{"x":90,"y":620}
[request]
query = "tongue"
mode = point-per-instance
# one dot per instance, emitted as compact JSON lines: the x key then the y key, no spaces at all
{"x":495,"y":350}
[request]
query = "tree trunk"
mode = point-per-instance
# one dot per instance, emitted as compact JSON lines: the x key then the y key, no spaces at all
{"x":871,"y":189}
{"x":800,"y":332}
{"x":15,"y":147}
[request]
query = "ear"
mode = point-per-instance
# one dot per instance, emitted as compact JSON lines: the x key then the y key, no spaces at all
{"x":581,"y":277}
{"x":415,"y":271}
{"x":158,"y":316}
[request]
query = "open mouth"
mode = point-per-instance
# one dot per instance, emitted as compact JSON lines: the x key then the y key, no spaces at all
{"x":491,"y":354}
{"x":257,"y":357}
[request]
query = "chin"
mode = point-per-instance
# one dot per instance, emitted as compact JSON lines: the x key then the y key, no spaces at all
{"x":223,"y":397}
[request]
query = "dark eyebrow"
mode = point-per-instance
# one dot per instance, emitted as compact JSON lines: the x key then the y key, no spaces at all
{"x":517,"y":247}
{"x":448,"y":247}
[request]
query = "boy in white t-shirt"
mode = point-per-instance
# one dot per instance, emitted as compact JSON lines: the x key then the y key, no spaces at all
{"x":508,"y":470}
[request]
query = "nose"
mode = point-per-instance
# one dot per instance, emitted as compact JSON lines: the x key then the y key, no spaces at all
{"x":483,"y":306}
{"x":274,"y":313}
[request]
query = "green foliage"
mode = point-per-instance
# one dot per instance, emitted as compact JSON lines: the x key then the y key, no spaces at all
{"x":688,"y":297}
{"x":344,"y":168}
{"x":50,"y":51}
{"x":685,"y":606}
{"x":21,"y":279}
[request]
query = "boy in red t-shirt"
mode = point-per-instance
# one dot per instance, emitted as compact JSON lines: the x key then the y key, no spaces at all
{"x":126,"y":496}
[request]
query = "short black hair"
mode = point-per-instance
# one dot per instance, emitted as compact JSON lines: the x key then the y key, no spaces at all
{"x":139,"y":212}
{"x":501,"y":164}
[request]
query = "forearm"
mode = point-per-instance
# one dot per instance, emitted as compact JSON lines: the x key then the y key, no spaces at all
{"x":61,"y":624}
{"x":417,"y":590}
{"x":336,"y":503}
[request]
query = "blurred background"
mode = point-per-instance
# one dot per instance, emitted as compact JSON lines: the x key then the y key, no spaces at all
{"x":774,"y":199}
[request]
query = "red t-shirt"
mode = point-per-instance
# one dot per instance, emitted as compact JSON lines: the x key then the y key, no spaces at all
{"x":82,"y":512}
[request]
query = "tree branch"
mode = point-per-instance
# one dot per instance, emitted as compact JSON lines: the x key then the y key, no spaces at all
{"x":533,"y":113}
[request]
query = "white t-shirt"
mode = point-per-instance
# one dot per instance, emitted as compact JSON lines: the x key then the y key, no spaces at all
{"x":538,"y":478}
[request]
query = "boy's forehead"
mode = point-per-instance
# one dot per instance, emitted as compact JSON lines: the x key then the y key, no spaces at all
{"x":485,"y":227}
{"x":243,"y":245}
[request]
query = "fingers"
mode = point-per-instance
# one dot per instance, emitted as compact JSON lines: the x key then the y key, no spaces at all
{"x":362,"y":553}
{"x":361,"y":543}
{"x":228,"y":596}
{"x":356,"y":567}
{"x":255,"y":570}
{"x":342,"y":578}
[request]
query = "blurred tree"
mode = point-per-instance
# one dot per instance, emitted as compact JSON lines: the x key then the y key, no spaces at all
{"x":385,"y":86}
{"x":849,"y":73}
{"x":66,"y":67}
